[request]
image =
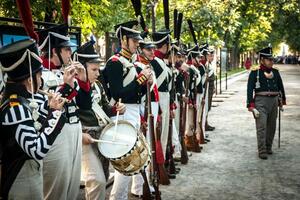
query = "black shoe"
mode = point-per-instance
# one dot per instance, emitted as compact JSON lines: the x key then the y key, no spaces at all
{"x":263,"y":156}
{"x":209,"y":128}
{"x":172,"y":176}
{"x":206,"y":140}
{"x":270,"y":152}
{"x":141,"y":196}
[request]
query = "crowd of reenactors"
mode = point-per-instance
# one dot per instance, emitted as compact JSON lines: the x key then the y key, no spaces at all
{"x":56,"y":112}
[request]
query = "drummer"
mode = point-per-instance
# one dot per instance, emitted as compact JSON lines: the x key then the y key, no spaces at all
{"x":93,"y":117}
{"x":125,"y":83}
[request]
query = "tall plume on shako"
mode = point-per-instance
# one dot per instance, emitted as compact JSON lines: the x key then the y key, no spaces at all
{"x":192,"y":31}
{"x":137,"y":6}
{"x":166,"y":14}
{"x":178,"y":27}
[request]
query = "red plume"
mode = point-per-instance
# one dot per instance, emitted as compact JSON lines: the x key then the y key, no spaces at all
{"x":26,"y":16}
{"x":66,"y":7}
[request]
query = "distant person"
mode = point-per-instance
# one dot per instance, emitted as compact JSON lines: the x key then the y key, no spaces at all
{"x":264,"y":91}
{"x":248,"y":63}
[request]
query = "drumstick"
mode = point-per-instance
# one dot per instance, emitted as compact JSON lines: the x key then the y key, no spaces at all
{"x":116,"y":123}
{"x":110,"y":142}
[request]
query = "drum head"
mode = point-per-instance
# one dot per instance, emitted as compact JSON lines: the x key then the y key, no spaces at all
{"x":125,"y":134}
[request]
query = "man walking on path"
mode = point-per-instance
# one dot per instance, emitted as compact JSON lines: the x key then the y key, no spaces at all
{"x":266,"y":84}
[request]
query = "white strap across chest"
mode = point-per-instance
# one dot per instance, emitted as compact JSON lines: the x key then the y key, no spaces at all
{"x":100,"y":114}
{"x":164,"y":74}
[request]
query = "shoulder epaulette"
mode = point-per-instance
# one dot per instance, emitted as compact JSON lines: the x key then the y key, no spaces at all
{"x":13,"y":100}
{"x":115,"y":58}
{"x":255,"y":68}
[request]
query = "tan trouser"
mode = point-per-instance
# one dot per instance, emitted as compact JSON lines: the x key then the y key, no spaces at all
{"x":28,"y":183}
{"x":92,"y":174}
{"x":62,"y":164}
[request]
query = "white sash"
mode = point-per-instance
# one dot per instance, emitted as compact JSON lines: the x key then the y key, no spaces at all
{"x":164,"y":73}
{"x":100,"y":114}
{"x":198,"y":79}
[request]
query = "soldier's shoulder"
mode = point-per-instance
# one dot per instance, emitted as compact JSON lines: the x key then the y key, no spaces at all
{"x":114,"y":58}
{"x":275,"y":68}
{"x":255,"y":68}
{"x":14,"y":111}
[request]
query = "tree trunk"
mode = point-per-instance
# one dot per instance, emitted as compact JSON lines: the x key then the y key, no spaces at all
{"x":235,"y":55}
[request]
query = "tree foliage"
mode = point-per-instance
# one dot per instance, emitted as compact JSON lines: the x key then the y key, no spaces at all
{"x":241,"y":25}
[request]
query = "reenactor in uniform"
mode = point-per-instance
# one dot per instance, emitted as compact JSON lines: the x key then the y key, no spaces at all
{"x":94,"y":112}
{"x":265,"y":92}
{"x":204,"y":71}
{"x":195,"y":87}
{"x":25,"y":140}
{"x":62,"y":166}
{"x":163,"y":75}
{"x":211,"y":82}
{"x":125,"y":83}
{"x":146,"y":54}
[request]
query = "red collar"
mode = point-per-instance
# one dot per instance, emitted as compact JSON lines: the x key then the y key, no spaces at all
{"x":264,"y":68}
{"x":189,"y":62}
{"x":203,"y":61}
{"x":143,"y":60}
{"x":46,"y":64}
{"x":159,"y":54}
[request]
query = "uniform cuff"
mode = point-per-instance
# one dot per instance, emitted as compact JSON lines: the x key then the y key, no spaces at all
{"x":84,"y":85}
{"x":141,"y":79}
{"x":67,"y":91}
{"x":251,"y":105}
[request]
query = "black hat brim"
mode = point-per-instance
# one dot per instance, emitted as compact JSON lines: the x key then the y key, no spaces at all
{"x":95,"y":60}
{"x":136,"y":36}
{"x":67,"y":44}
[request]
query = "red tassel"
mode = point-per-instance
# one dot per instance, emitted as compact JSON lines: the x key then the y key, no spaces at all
{"x":159,"y":153}
{"x":65,"y":6}
{"x":26,"y":16}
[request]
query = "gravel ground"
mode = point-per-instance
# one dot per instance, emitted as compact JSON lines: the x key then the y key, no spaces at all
{"x":228,"y":167}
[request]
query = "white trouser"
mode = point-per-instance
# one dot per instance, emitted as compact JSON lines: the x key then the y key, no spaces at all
{"x":175,"y":131}
{"x":199,"y":110}
{"x":175,"y":140}
{"x":137,"y":180}
{"x":177,"y":150}
{"x":205,"y":112}
{"x":62,"y":164}
{"x":28,"y":183}
{"x":189,"y":122}
{"x":120,"y":187}
{"x":164,"y":101}
{"x":92,"y":174}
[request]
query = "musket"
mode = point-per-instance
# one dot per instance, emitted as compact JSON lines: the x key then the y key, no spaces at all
{"x":186,"y":105}
{"x":195,"y":143}
{"x":153,"y":165}
{"x":183,"y":153}
{"x":163,"y":175}
{"x":169,"y":153}
{"x":202,"y":141}
{"x":146,"y":187}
